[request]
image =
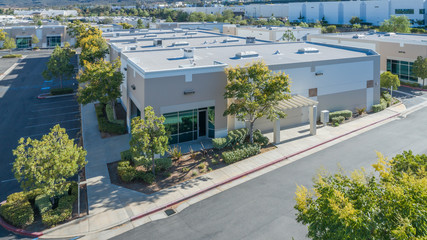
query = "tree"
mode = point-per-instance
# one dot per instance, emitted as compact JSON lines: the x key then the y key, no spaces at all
{"x":169,"y":19}
{"x":149,"y":137}
{"x":59,"y":65}
{"x":39,"y":22}
{"x":81,"y":31}
{"x":48,"y":163}
{"x":101,"y":81}
{"x":303,"y":25}
{"x":254,"y":92}
{"x":420,"y":68}
{"x":355,"y":20}
{"x":139,"y":24}
{"x":331,"y":29}
{"x":9,"y":43}
{"x":363,"y":206}
{"x":390,"y":81}
{"x":399,"y":24}
{"x":34,"y":39}
{"x":289,"y":36}
{"x":125,"y":25}
{"x":3,"y":34}
{"x":94,"y":48}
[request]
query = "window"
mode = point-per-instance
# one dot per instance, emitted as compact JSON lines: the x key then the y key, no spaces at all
{"x":422,"y":11}
{"x":404,"y":11}
{"x":52,"y":41}
{"x":23,"y":42}
{"x":402,"y":69}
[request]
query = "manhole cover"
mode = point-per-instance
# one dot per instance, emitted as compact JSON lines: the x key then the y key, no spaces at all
{"x":170,"y":212}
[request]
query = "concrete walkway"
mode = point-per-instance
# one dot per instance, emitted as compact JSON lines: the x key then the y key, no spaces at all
{"x":114,"y":210}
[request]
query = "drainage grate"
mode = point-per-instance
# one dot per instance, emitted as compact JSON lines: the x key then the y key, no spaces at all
{"x":170,"y":212}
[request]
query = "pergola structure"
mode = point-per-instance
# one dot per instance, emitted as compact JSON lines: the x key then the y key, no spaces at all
{"x":297,"y":101}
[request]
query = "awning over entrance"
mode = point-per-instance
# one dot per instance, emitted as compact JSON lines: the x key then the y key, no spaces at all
{"x":297,"y":101}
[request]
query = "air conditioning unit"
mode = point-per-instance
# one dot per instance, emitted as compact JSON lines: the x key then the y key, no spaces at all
{"x":157,"y":42}
{"x":188,"y":53}
{"x":250,"y":40}
{"x":308,"y":50}
{"x":247,"y":54}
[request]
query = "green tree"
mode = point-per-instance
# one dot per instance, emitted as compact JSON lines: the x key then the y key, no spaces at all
{"x":48,"y":163}
{"x":390,"y":81}
{"x":94,"y":48}
{"x":39,"y":22}
{"x":9,"y":43}
{"x":289,"y":36}
{"x":100,"y":81}
{"x":303,"y":24}
{"x":34,"y":39}
{"x":399,"y":24}
{"x":255,"y":92}
{"x":331,"y":29}
{"x":139,"y":24}
{"x":149,"y":137}
{"x":125,"y":25}
{"x":3,"y":34}
{"x":420,"y":68}
{"x":210,"y":18}
{"x":228,"y":15}
{"x":363,"y":206}
{"x":355,"y":20}
{"x":59,"y":65}
{"x":169,"y":19}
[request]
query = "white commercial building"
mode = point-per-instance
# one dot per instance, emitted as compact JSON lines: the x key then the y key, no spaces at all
{"x":270,"y":33}
{"x":48,"y":12}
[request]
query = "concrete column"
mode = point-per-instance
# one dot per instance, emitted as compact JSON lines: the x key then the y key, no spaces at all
{"x":276,"y":137}
{"x":313,"y":119}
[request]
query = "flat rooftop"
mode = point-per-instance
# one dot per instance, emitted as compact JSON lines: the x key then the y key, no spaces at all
{"x":382,"y":37}
{"x":270,"y":53}
{"x":156,"y":34}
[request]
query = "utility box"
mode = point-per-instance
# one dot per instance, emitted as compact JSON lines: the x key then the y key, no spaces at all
{"x":324,"y":117}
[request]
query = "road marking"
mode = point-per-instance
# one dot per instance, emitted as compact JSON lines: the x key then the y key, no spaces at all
{"x":46,"y":81}
{"x":67,"y":130}
{"x":8,"y":180}
{"x":54,"y":123}
{"x":11,"y":68}
{"x":54,"y":102}
{"x":47,"y":109}
{"x":60,"y":114}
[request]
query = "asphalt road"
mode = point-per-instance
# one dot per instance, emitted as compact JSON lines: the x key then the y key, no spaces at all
{"x":262,"y":208}
{"x":23,"y":115}
{"x":410,"y":97}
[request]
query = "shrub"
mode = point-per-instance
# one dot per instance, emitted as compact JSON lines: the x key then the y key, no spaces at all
{"x":185,"y":169}
{"x":360,"y":111}
{"x":126,"y":172}
{"x":339,"y":120}
{"x":17,"y":210}
{"x":244,"y":151}
{"x":61,"y":213}
{"x":60,"y":91}
{"x":110,"y":115}
{"x":377,"y":108}
{"x":12,"y":56}
{"x":126,"y":155}
{"x":194,"y":173}
{"x":219,"y":143}
{"x":32,"y":194}
{"x":201,"y":166}
{"x":175,"y":152}
{"x":42,"y":203}
{"x":259,"y":138}
{"x":104,"y":125}
{"x":236,"y":136}
{"x":345,"y":113}
{"x":163,"y":164}
{"x":145,"y":176}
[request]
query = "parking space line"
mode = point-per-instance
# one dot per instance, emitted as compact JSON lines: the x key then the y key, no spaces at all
{"x":54,"y":102}
{"x":54,"y":123}
{"x":47,"y":109}
{"x":67,"y":130}
{"x":45,"y":88}
{"x":9,"y":180}
{"x":54,"y":115}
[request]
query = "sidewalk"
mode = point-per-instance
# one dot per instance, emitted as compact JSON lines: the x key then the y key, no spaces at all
{"x":113,"y":209}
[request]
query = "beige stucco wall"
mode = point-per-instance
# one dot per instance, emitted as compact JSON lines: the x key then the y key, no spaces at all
{"x":41,"y":32}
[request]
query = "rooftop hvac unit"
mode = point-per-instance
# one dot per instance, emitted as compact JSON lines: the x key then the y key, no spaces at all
{"x":188,"y":53}
{"x":131,"y":30}
{"x":357,"y":36}
{"x":308,"y":50}
{"x":117,"y":34}
{"x":250,"y":40}
{"x":390,"y":34}
{"x":134,"y":40}
{"x":157,"y":42}
{"x":230,"y":40}
{"x":176,"y":44}
{"x":247,"y":54}
{"x":132,"y":48}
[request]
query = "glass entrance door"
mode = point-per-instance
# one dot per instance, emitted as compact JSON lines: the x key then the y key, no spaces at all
{"x":202,"y":123}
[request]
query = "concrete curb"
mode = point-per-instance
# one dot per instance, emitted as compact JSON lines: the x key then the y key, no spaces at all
{"x":415,"y":88}
{"x":255,"y":170}
{"x":47,"y":95}
{"x":16,"y":230}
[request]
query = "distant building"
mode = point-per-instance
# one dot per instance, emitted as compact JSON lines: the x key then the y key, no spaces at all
{"x":270,"y":33}
{"x":47,"y":13}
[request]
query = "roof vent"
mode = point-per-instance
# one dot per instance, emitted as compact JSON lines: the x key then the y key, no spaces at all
{"x":132,"y":30}
{"x":117,"y":35}
{"x":176,"y":44}
{"x":277,"y":52}
{"x":188,"y":53}
{"x":190,"y":33}
{"x":157,"y":42}
{"x":132,"y":48}
{"x":151,"y":35}
{"x":230,"y":40}
{"x":247,"y":54}
{"x":250,"y":40}
{"x":308,"y":50}
{"x":389,"y":34}
{"x":357,"y":36}
{"x":134,"y":40}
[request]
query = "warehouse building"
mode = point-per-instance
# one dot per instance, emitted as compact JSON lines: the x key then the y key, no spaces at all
{"x":48,"y":35}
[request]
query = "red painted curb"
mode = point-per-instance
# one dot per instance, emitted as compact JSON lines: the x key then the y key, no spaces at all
{"x":253,"y":170}
{"x":19,"y":231}
{"x":416,"y":88}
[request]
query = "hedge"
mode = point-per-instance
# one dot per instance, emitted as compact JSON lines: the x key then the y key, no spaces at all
{"x":110,"y":115}
{"x":104,"y":125}
{"x":42,"y":203}
{"x":339,"y":120}
{"x":259,"y":138}
{"x":128,"y":172}
{"x":17,"y":210}
{"x":163,"y":164}
{"x":61,"y":213}
{"x":234,"y":137}
{"x":12,"y":56}
{"x":126,"y":155}
{"x":60,"y":91}
{"x":240,"y":153}
{"x":345,"y":113}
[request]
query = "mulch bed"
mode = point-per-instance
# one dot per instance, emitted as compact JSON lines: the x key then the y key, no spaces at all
{"x":183,"y":169}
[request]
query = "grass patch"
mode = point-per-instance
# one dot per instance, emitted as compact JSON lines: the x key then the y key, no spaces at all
{"x":12,"y":56}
